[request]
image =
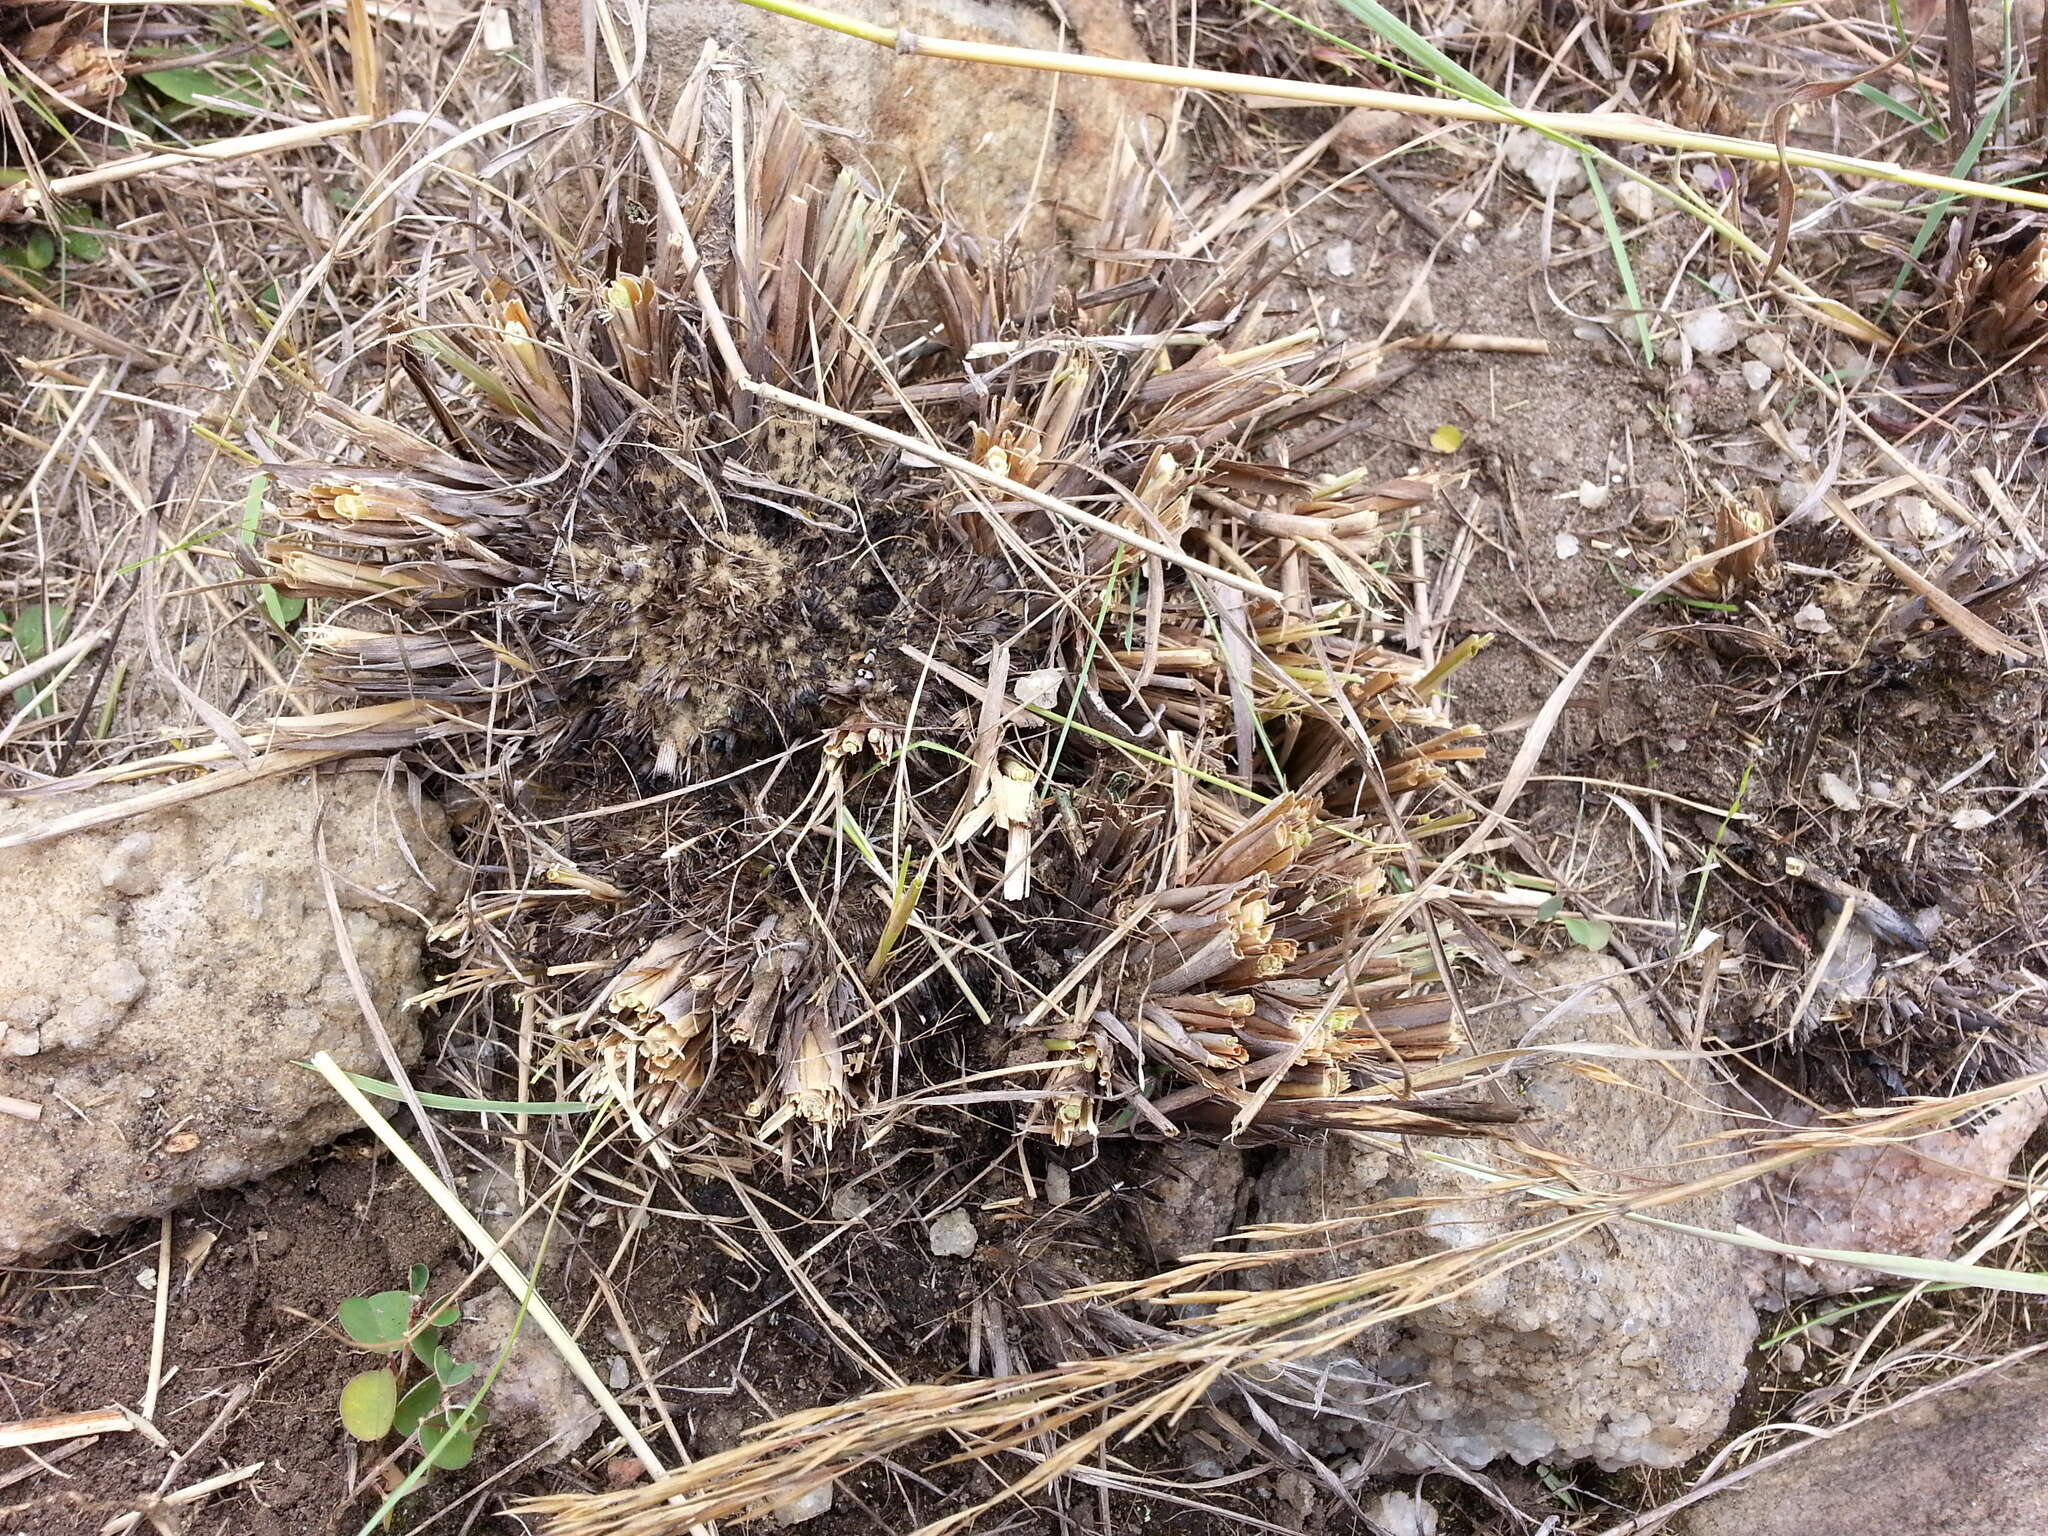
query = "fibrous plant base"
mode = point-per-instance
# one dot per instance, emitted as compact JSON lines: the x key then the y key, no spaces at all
{"x":798,"y":745}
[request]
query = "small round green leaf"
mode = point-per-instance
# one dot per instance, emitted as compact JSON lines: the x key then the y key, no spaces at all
{"x":424,"y":1343}
{"x":368,"y":1404}
{"x":423,"y":1398}
{"x":416,"y":1279}
{"x":379,"y":1321}
{"x":448,"y":1372}
{"x":448,"y":1449}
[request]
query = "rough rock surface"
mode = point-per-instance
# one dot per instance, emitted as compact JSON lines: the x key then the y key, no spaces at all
{"x":159,"y":977}
{"x":536,"y":1398}
{"x":1909,"y":1199}
{"x":1973,"y":1459}
{"x":1626,"y":1348}
{"x":983,"y":135}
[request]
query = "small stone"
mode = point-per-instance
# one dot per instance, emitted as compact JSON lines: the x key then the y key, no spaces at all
{"x":1756,"y":375}
{"x":1840,"y":794}
{"x":1660,"y":498}
{"x":1552,"y":168}
{"x":125,"y":871}
{"x":1366,"y":133}
{"x":1971,"y":817}
{"x":1404,"y":1514}
{"x":1420,"y":311}
{"x":849,"y":1203}
{"x":1916,"y":520}
{"x":534,"y":1397}
{"x":1337,"y":259}
{"x":1567,"y":546}
{"x":805,"y":1506}
{"x":1768,"y":348}
{"x":1041,"y":687}
{"x":1709,"y":332}
{"x":953,"y":1236}
{"x":1631,"y":1355}
{"x":1059,"y":1184}
{"x":1813,"y":619}
{"x":1585,"y":207}
{"x":1636,"y":201}
{"x":1791,"y":493}
{"x":1911,"y":1198}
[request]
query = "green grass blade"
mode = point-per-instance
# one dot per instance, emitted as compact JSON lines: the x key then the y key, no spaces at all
{"x":1454,"y":76}
{"x":1619,"y":247}
{"x":1899,"y":109}
{"x":1938,"y":211}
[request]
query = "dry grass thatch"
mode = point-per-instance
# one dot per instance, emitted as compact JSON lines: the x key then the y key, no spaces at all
{"x":868,"y":628}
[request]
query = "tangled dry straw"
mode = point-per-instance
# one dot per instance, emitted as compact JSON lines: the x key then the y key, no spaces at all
{"x":1078,"y":723}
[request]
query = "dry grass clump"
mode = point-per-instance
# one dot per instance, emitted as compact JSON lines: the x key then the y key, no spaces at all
{"x":874,"y":631}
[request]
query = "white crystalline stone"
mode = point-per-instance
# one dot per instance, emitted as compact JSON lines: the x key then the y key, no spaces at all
{"x":1567,"y":545}
{"x":1041,"y":688}
{"x":1768,"y":348}
{"x":1404,"y":1514}
{"x":1970,"y":818}
{"x":953,"y":1236}
{"x":1552,"y":168}
{"x":1839,"y":793}
{"x":1755,"y":374}
{"x":1709,"y":332}
{"x":1636,"y":201}
{"x":1338,"y":259}
{"x":805,"y":1506}
{"x":1814,"y":620}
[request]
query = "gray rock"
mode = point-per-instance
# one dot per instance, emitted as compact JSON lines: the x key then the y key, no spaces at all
{"x":984,"y":135}
{"x":159,"y":978}
{"x":536,"y":1398}
{"x":1625,"y":1348}
{"x":1973,"y":1459}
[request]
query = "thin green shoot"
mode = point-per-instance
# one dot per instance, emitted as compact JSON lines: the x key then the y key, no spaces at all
{"x":1619,"y":249}
{"x":1713,"y":858}
{"x":1838,"y":1313}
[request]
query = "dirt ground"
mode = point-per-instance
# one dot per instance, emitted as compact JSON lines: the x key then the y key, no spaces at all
{"x":1682,"y":794}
